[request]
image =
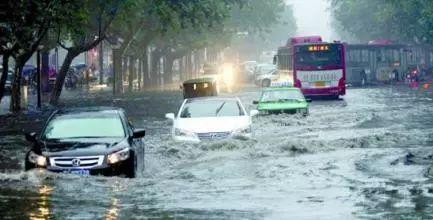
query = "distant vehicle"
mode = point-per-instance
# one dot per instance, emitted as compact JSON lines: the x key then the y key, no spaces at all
{"x":276,"y":100}
{"x":264,"y":73}
{"x":317,"y":68}
{"x":267,"y":56}
{"x":205,"y":86}
{"x":210,"y":119}
{"x":87,"y":141}
{"x":380,"y":58}
{"x":247,"y":70}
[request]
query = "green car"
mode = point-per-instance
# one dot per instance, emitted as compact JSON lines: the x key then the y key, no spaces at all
{"x":276,"y":100}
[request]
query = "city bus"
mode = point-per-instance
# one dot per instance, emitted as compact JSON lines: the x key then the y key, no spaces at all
{"x":375,"y":61}
{"x":316,"y":67}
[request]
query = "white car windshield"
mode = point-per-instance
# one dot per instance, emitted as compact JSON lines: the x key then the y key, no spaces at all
{"x":281,"y":95}
{"x":211,"y":108}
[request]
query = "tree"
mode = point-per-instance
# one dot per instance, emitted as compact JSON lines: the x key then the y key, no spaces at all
{"x":407,"y":21}
{"x":144,"y":20}
{"x":85,"y":29}
{"x":26,"y":24}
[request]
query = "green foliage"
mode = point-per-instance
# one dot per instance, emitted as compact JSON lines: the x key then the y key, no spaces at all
{"x":408,"y":21}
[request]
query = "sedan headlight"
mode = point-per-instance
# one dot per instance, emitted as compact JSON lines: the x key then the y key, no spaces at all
{"x":118,"y":156}
{"x":242,"y":131}
{"x":185,"y":133}
{"x":303,"y":111}
{"x":37,"y":159}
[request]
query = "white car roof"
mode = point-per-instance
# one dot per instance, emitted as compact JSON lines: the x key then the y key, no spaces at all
{"x":210,"y":98}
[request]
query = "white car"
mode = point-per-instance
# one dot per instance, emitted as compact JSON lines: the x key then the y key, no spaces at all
{"x":211,"y":118}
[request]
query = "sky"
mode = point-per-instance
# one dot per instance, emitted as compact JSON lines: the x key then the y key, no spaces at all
{"x":312,"y":18}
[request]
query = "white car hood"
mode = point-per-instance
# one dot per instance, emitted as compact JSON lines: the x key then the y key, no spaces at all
{"x":212,"y":124}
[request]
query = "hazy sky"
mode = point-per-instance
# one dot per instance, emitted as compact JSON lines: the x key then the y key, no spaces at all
{"x":312,"y":17}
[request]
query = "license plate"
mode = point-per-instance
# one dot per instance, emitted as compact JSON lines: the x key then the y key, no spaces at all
{"x":320,"y":84}
{"x":78,"y":172}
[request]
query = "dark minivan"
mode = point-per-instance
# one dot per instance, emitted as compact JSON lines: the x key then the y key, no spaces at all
{"x":87,"y":141}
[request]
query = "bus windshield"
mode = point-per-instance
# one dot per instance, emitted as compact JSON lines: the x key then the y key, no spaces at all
{"x":320,"y":55}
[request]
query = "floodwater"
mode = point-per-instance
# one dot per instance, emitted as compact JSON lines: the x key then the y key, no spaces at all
{"x":364,"y":157}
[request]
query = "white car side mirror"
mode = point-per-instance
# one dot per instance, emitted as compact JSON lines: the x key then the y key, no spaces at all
{"x":254,"y":113}
{"x":169,"y":116}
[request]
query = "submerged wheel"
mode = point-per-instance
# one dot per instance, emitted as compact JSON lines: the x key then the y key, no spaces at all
{"x":266,"y":83}
{"x":131,"y":166}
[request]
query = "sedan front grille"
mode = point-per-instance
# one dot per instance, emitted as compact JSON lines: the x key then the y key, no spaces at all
{"x":285,"y":111}
{"x":77,"y":162}
{"x":213,"y":135}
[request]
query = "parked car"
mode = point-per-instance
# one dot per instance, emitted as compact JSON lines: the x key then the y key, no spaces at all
{"x":87,"y":141}
{"x":276,"y":100}
{"x":211,"y":118}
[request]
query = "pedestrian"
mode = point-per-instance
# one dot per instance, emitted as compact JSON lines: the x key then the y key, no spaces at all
{"x":363,"y":76}
{"x":395,"y":73}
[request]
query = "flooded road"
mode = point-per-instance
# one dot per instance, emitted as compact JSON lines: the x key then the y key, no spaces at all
{"x":367,"y":156}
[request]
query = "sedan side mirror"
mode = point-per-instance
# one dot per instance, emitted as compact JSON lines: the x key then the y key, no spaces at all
{"x":31,"y":137}
{"x":255,"y":102}
{"x":254,"y":113}
{"x":170,"y":116}
{"x":308,"y":100}
{"x":139,"y":133}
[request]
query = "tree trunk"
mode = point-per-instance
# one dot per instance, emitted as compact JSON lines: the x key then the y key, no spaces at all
{"x":155,"y":67}
{"x":168,"y":70}
{"x":61,"y":75}
{"x":117,"y":71}
{"x":181,"y":69}
{"x":131,"y":75}
{"x":101,"y":63}
{"x":45,"y":68}
{"x":15,"y":105}
{"x":146,"y":77}
{"x":140,"y":73}
{"x":4,"y":75}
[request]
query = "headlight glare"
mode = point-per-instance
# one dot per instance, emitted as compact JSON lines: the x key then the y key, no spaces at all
{"x":185,"y":133}
{"x":246,"y":130}
{"x":38,"y":160}
{"x":118,"y":156}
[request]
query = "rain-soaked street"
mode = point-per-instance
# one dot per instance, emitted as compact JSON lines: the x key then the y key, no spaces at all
{"x":366,"y":156}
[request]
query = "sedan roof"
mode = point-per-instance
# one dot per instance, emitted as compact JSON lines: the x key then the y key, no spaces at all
{"x":90,"y":110}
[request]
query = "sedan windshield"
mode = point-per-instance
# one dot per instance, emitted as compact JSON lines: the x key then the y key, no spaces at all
{"x":84,"y":125}
{"x":212,"y":108}
{"x":281,"y":95}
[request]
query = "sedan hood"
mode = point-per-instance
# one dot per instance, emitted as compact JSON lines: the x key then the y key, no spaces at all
{"x":212,"y":124}
{"x":82,"y":147}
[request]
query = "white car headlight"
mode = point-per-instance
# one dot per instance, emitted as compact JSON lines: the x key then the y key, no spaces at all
{"x":118,"y":156}
{"x":36,"y":159}
{"x":185,"y":133}
{"x":241,"y":131}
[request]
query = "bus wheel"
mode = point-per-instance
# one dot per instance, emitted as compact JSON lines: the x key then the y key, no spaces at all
{"x":266,"y":83}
